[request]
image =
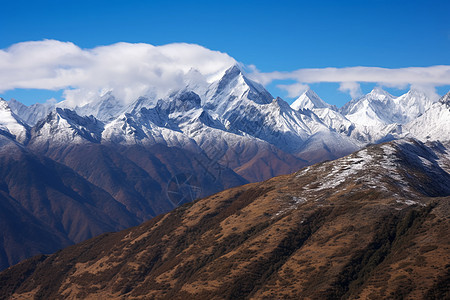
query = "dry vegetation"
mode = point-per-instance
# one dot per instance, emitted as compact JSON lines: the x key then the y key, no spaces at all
{"x":283,"y":238}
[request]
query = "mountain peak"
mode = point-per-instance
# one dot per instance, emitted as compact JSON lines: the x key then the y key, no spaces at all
{"x":63,"y":125}
{"x":445,"y":99}
{"x":311,"y":94}
{"x":181,"y":101}
{"x":234,"y":69}
{"x":418,"y":96}
{"x":232,"y":90}
{"x":11,"y":123}
{"x":230,"y":74}
{"x":378,"y":91}
{"x":416,"y":92}
{"x":3,"y":104}
{"x":411,"y":105}
{"x":309,"y":100}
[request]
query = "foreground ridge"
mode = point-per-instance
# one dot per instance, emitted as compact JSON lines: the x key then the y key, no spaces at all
{"x":371,"y":224}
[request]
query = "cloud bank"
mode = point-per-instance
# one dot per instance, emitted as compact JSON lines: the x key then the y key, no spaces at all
{"x":129,"y":70}
{"x":421,"y":78}
{"x":133,"y":70}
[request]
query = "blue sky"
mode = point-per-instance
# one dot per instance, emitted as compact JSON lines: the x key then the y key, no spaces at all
{"x":272,"y":35}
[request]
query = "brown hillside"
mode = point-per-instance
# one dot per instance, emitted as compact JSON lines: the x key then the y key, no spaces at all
{"x":372,"y":225}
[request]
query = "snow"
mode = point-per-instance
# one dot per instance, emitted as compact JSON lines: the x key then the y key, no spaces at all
{"x":288,"y":206}
{"x":342,"y":169}
{"x":425,"y":161}
{"x":33,"y":113}
{"x":233,"y":110}
{"x":299,"y":200}
{"x":409,"y":202}
{"x":63,"y":126}
{"x":379,"y":116}
{"x":411,"y":105}
{"x":309,"y":100}
{"x":11,"y":123}
{"x":388,"y":162}
{"x":433,"y":124}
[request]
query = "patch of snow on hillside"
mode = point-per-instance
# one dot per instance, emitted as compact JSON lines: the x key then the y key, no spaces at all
{"x":425,"y":161}
{"x":303,"y":172}
{"x":296,"y":201}
{"x":344,"y":168}
{"x":299,"y":200}
{"x":410,"y":202}
{"x":389,"y":163}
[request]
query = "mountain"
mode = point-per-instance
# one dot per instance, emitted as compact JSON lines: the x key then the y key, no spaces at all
{"x":310,"y":100}
{"x":64,"y":126}
{"x":234,"y":111}
{"x":11,"y":124}
{"x":218,"y":121}
{"x":333,"y":139}
{"x":62,"y":156}
{"x":48,"y":205}
{"x":371,"y":224}
{"x":374,"y":109}
{"x":152,"y":154}
{"x":411,"y":105}
{"x":106,"y":108}
{"x":379,"y":116}
{"x":30,"y":114}
{"x":434,"y":123}
{"x":234,"y":90}
{"x":68,"y":193}
{"x":139,"y":177}
{"x":23,"y":235}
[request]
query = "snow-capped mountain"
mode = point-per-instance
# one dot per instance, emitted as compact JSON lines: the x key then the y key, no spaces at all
{"x":231,"y":116}
{"x":33,"y":113}
{"x":434,"y":123}
{"x":310,"y":100}
{"x":376,"y":109}
{"x":64,"y":126}
{"x":200,"y":139}
{"x":411,"y":105}
{"x":106,"y":108}
{"x":232,"y":91}
{"x":377,"y":116}
{"x":329,"y":143}
{"x":235,"y":113}
{"x":379,"y":108}
{"x":157,"y":125}
{"x":11,"y":124}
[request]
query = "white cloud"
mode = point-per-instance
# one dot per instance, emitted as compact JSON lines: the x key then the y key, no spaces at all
{"x":353,"y":88}
{"x":349,"y":77}
{"x":428,"y":89}
{"x":129,"y":70}
{"x":294,"y":90}
{"x":133,"y":70}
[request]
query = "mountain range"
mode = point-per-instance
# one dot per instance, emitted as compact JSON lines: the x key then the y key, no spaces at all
{"x":77,"y":171}
{"x":370,"y":225}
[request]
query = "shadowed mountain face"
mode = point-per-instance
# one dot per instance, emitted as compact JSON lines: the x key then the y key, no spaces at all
{"x":46,"y":205}
{"x":139,"y":177}
{"x":89,"y":189}
{"x":371,"y":224}
{"x":24,"y":235}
